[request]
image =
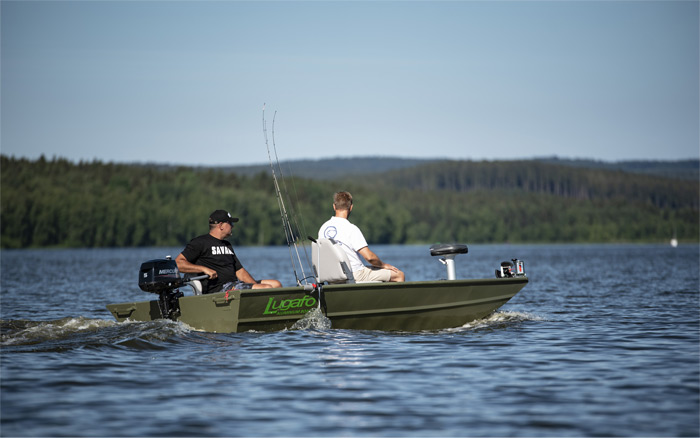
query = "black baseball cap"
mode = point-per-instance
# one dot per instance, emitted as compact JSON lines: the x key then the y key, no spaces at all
{"x":221,"y":216}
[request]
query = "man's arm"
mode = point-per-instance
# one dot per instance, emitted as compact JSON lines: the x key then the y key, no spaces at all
{"x":190,"y":268}
{"x":374,"y":260}
{"x":245,"y":277}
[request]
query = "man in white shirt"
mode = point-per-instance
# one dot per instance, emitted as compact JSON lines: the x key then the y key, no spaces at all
{"x":354,"y":244}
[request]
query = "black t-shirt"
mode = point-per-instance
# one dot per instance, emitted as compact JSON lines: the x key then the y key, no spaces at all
{"x":216,"y":254}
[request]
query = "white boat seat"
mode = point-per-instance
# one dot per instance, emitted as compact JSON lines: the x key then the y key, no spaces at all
{"x":196,"y":286}
{"x":331,"y":264}
{"x":194,"y":283}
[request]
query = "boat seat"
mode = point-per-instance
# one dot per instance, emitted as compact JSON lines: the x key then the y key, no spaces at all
{"x":195,"y":284}
{"x":448,"y":251}
{"x":442,"y":249}
{"x":331,"y":264}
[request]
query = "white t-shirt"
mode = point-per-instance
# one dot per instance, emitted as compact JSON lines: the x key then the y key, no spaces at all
{"x":351,"y":238}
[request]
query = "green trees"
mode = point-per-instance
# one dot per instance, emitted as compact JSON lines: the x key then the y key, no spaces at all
{"x":94,"y":204}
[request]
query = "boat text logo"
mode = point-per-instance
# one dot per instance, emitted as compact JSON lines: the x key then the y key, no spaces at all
{"x":166,"y":271}
{"x":289,"y":307}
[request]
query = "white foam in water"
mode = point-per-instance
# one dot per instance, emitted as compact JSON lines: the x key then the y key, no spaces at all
{"x":498,"y":318}
{"x":39,"y":331}
{"x":35,"y":332}
{"x":160,"y":328}
{"x":314,"y":319}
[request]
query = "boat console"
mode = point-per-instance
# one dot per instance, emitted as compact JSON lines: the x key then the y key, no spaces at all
{"x":448,"y":251}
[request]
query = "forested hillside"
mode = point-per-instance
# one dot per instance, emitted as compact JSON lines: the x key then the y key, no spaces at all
{"x":547,"y":179}
{"x":335,"y":168}
{"x":59,"y":203}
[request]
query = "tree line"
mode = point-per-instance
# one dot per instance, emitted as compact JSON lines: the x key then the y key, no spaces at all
{"x":549,"y":179}
{"x":49,"y":203}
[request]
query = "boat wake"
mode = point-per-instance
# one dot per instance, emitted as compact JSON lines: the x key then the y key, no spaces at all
{"x":25,"y":332}
{"x":315,"y":320}
{"x":501,"y":319}
{"x":80,"y":332}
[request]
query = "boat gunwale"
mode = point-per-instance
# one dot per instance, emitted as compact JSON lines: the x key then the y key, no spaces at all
{"x":378,"y":285}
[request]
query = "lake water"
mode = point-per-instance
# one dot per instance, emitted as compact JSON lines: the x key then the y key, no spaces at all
{"x":603,"y":341}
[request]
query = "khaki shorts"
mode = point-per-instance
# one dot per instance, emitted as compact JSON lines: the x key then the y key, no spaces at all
{"x":372,"y":274}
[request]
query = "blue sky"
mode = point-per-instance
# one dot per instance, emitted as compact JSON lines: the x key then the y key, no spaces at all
{"x":185,"y":82}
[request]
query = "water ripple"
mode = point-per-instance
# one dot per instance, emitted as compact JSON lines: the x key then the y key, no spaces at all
{"x":593,"y":346}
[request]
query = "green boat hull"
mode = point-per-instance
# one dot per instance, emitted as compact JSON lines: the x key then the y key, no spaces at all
{"x":409,"y":306}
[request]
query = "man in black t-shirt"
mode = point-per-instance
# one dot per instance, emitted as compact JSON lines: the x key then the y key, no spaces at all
{"x":212,"y":255}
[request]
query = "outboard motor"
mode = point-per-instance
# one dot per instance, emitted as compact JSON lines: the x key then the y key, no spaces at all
{"x":449,"y":251}
{"x":511,"y":269}
{"x":505,"y":271}
{"x":162,"y":277}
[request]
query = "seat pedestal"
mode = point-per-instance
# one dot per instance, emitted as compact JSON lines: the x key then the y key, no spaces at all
{"x":448,"y":253}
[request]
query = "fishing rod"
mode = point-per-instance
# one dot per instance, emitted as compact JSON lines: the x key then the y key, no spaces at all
{"x":295,"y":236}
{"x":286,"y":224}
{"x":300,"y":230}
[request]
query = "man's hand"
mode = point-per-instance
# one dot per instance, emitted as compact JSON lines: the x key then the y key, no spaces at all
{"x":190,"y":268}
{"x":390,"y":267}
{"x":210,"y":272}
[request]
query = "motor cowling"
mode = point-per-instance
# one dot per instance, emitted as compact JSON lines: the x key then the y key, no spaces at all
{"x":159,"y":275}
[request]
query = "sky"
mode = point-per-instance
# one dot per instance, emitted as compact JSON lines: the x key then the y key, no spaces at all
{"x":181,"y":82}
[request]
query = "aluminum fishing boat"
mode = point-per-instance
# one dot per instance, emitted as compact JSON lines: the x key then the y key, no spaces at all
{"x":408,"y":306}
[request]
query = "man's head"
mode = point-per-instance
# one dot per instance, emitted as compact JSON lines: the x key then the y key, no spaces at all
{"x":342,"y":201}
{"x":221,"y":223}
